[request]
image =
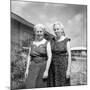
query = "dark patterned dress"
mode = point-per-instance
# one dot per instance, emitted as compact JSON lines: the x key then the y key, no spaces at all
{"x":57,"y":71}
{"x":37,"y":67}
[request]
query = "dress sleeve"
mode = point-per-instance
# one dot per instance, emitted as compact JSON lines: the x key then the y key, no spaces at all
{"x":68,"y":39}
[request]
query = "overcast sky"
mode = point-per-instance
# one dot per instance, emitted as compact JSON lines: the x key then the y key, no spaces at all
{"x":73,"y":17}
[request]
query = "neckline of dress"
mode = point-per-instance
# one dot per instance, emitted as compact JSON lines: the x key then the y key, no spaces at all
{"x":39,"y":45}
{"x":61,"y":40}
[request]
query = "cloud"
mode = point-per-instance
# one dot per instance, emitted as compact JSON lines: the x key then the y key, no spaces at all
{"x":75,"y":29}
{"x":53,"y":19}
{"x":72,"y":16}
{"x":77,"y":18}
{"x":42,"y":16}
{"x":17,"y":6}
{"x":54,"y":5}
{"x":75,"y":24}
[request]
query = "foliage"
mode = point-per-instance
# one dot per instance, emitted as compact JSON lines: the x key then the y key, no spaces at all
{"x":18,"y":68}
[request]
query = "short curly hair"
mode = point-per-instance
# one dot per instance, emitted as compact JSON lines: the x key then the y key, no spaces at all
{"x":58,"y":23}
{"x":40,"y":26}
{"x":61,"y":26}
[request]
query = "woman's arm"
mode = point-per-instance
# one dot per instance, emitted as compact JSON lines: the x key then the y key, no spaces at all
{"x":25,"y":47}
{"x":49,"y":54}
{"x":28,"y":62}
{"x":69,"y":56}
{"x":28,"y":58}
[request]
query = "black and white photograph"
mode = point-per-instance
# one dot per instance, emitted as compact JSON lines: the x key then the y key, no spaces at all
{"x":48,"y":44}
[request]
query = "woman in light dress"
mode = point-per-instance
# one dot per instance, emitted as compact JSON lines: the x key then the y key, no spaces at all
{"x":39,"y":60}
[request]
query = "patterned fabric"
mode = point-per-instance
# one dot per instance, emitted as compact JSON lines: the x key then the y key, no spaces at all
{"x":57,"y":72}
{"x":37,"y":67}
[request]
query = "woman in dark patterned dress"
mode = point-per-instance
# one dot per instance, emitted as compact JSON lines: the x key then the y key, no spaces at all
{"x":59,"y":73}
{"x":38,"y":66}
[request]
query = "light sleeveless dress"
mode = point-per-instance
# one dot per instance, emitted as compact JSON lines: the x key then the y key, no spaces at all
{"x":37,"y":67}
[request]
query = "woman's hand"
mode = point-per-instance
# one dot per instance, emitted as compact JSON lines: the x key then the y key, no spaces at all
{"x":45,"y":75}
{"x":49,"y":54}
{"x":69,"y":60}
{"x":68,"y":74}
{"x":26,"y":73}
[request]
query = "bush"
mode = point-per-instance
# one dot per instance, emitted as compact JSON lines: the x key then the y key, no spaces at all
{"x":18,"y":68}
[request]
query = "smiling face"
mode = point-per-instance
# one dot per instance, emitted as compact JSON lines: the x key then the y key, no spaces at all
{"x":57,"y":30}
{"x":39,"y":32}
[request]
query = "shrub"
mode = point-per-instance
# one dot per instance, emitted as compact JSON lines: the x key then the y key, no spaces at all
{"x":18,"y":68}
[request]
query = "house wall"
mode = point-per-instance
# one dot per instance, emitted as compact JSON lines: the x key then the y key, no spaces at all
{"x":20,"y":33}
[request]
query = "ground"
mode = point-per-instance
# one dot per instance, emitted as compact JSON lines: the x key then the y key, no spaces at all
{"x":79,"y":72}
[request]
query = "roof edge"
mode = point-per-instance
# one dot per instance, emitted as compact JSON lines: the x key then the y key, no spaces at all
{"x":21,"y":19}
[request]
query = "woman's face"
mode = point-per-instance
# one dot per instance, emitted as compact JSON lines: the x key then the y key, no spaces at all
{"x":39,"y":32}
{"x":57,"y":30}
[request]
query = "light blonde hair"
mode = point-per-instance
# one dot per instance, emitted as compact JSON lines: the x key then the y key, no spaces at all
{"x":40,"y":26}
{"x":58,"y":23}
{"x":61,"y":26}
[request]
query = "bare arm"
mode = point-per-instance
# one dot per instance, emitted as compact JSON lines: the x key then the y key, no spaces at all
{"x":25,"y":47}
{"x":49,"y":54}
{"x":69,"y":56}
{"x":28,"y":59}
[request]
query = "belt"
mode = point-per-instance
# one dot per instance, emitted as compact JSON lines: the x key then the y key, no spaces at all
{"x":38,"y":59}
{"x":59,"y":52}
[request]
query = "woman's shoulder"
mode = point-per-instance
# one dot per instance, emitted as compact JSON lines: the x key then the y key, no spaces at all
{"x":47,"y":42}
{"x":67,"y":39}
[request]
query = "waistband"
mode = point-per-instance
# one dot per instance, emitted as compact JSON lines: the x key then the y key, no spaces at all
{"x":38,"y":59}
{"x":60,"y":53}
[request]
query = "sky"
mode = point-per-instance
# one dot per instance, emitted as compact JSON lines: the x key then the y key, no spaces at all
{"x":73,"y":17}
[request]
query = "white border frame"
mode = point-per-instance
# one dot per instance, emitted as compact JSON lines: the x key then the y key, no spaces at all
{"x":5,"y":43}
